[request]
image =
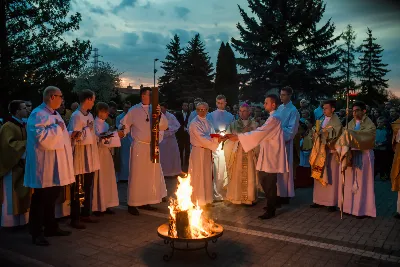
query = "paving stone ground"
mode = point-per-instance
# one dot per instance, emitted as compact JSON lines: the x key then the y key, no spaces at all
{"x":298,"y":236}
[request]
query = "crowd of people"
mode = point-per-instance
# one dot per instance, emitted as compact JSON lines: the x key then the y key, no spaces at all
{"x":57,"y":162}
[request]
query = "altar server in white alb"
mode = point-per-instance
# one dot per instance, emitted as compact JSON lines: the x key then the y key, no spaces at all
{"x":169,"y":150}
{"x":105,"y":191}
{"x":15,"y":196}
{"x":355,"y":147}
{"x":290,"y":123}
{"x":49,"y":165}
{"x":272,"y":159}
{"x":146,"y":184}
{"x":125,"y":150}
{"x":200,"y":160}
{"x":86,"y":158}
{"x":220,"y":120}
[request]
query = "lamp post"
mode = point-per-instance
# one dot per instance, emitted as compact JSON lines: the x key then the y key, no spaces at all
{"x":155,"y":71}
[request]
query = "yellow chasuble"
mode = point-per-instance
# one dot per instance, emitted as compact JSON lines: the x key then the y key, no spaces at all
{"x":395,"y":172}
{"x":12,"y":147}
{"x":324,"y":140}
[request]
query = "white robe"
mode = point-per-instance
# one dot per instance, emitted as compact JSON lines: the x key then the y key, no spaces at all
{"x":146,"y":184}
{"x":270,"y":137}
{"x":8,"y":219}
{"x":220,"y":120}
{"x":200,"y":161}
{"x":48,"y":152}
{"x":169,"y":151}
{"x":105,"y":191}
{"x":86,"y":153}
{"x":290,"y":123}
{"x":124,"y":152}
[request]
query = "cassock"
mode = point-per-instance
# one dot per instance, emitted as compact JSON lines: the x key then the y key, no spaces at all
{"x":146,"y":184}
{"x":124,"y":153}
{"x":16,"y":197}
{"x":105,"y":191}
{"x":355,"y":147}
{"x":49,"y":166}
{"x":192,"y":115}
{"x":169,"y":151}
{"x":220,"y":120}
{"x":290,"y":123}
{"x":200,"y":160}
{"x":241,"y":166}
{"x":395,"y":171}
{"x":324,"y":162}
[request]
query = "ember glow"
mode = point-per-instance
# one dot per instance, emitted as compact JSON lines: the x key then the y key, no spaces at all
{"x":198,"y":226}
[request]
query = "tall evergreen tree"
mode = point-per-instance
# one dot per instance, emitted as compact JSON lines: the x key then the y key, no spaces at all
{"x":197,"y":72}
{"x":284,"y":46}
{"x":172,"y":66}
{"x":372,"y":70}
{"x":347,"y":62}
{"x":34,"y":51}
{"x":226,"y":76}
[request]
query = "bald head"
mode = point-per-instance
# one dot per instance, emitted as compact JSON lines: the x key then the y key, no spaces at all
{"x":53,"y":97}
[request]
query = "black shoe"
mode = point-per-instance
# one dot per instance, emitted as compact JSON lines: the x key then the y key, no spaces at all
{"x":267,"y":215}
{"x":147,"y":207}
{"x":361,"y":217}
{"x":133,"y":210}
{"x":109,"y":211}
{"x":285,"y":200}
{"x":57,"y":232}
{"x":315,"y":206}
{"x":40,"y":241}
{"x":332,"y":209}
{"x":397,"y":216}
{"x":98,"y":213}
{"x":164,"y":199}
{"x":78,"y":225}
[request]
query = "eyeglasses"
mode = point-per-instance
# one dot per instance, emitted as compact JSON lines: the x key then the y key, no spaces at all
{"x":202,"y":109}
{"x":61,"y":96}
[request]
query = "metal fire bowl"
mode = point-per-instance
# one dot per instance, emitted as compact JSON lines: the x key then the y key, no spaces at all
{"x":162,"y":232}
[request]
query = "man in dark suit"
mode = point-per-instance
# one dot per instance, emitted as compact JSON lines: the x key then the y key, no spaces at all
{"x":182,"y":135}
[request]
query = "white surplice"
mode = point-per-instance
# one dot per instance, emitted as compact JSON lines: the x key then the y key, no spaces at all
{"x":49,"y":159}
{"x":86,"y":153}
{"x":146,"y":184}
{"x":105,"y":191}
{"x":124,"y":152}
{"x":8,"y":219}
{"x":290,"y":123}
{"x":169,"y":151}
{"x":220,"y":120}
{"x":200,"y":161}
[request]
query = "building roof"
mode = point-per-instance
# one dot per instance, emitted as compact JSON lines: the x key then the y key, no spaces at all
{"x":128,"y":90}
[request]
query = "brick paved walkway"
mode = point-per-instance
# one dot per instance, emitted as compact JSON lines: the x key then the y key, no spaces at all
{"x":298,"y":236}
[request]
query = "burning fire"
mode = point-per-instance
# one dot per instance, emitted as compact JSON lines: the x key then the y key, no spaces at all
{"x":186,"y":219}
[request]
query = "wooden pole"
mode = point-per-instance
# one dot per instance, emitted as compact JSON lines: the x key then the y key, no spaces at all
{"x":155,"y":120}
{"x":344,"y":173}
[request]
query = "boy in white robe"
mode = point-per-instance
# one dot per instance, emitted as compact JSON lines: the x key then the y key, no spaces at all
{"x":170,"y":158}
{"x":49,"y":165}
{"x":272,"y":158}
{"x":290,"y":124}
{"x":355,"y":147}
{"x":125,"y":150}
{"x":86,"y":158}
{"x":200,"y":160}
{"x":105,"y":191}
{"x":220,"y":120}
{"x":146,"y":184}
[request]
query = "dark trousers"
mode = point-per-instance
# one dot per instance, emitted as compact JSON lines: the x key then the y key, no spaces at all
{"x":75,"y":204}
{"x":184,"y":150}
{"x":42,"y":211}
{"x":383,"y":161}
{"x":268,"y":184}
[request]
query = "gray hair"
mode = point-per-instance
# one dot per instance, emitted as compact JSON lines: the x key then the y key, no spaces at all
{"x":202,"y":104}
{"x":50,"y":90}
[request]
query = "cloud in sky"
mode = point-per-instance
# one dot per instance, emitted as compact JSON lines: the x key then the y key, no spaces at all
{"x":131,"y":33}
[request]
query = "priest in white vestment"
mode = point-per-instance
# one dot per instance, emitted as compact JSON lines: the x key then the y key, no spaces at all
{"x":241,"y":166}
{"x":170,"y":158}
{"x":146,"y":184}
{"x":200,"y":160}
{"x":49,"y":165}
{"x":220,"y":120}
{"x":290,"y":124}
{"x":355,"y":147}
{"x":86,"y":158}
{"x":125,"y":149}
{"x":324,"y":161}
{"x":105,"y":191}
{"x":272,"y":159}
